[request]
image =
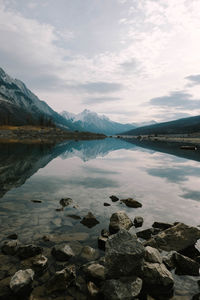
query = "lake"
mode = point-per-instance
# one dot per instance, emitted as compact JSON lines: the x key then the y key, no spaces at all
{"x":166,"y":183}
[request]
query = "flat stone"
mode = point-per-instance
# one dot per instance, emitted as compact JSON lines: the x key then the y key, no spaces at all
{"x":119,"y":220}
{"x":152,"y":255}
{"x":62,"y":252}
{"x":123,"y":256}
{"x":21,"y":282}
{"x":124,"y":288}
{"x":130,"y":202}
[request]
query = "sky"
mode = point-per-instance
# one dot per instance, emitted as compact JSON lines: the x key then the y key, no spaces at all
{"x":132,"y":60}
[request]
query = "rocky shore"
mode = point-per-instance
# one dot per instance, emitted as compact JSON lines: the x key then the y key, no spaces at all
{"x":129,"y":264}
{"x":42,"y":135}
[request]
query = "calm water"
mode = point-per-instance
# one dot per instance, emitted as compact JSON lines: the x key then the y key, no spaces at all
{"x":168,"y":187}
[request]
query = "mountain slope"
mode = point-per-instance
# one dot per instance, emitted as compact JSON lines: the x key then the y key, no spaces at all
{"x":91,"y":121}
{"x":18,"y":105}
{"x":186,"y":125}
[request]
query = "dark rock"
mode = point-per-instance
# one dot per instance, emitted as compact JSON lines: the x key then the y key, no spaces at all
{"x":119,"y":220}
{"x":46,"y":238}
{"x":138,"y":221}
{"x":62,"y":252}
{"x":89,"y":220}
{"x":93,"y":290}
{"x":130,"y":202}
{"x":21,"y":282}
{"x":66,"y":202}
{"x":94,"y":271}
{"x":175,"y":238}
{"x":124,"y":288}
{"x":62,"y":279}
{"x":10,"y":247}
{"x":75,"y":217}
{"x":114,"y":198}
{"x":102,"y":242}
{"x":39,"y":263}
{"x":162,"y":225}
{"x":191,"y":252}
{"x":124,"y":255}
{"x":27,"y":251}
{"x":36,"y":201}
{"x":185,"y":265}
{"x":146,"y":234}
{"x":5,"y":291}
{"x":152,"y":255}
{"x":106,"y":204}
{"x":12,"y":236}
{"x":105,"y":233}
{"x":157,"y":274}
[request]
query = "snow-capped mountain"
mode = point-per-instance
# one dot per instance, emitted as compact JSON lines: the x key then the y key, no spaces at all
{"x":93,"y":122}
{"x":18,"y":105}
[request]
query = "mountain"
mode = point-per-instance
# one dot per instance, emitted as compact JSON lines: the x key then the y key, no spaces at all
{"x":19,"y":106}
{"x":93,"y":122}
{"x":181,"y":126}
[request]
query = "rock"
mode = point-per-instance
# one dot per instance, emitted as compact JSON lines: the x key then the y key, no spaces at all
{"x":27,"y":251}
{"x":21,"y":282}
{"x":146,"y":234}
{"x":138,"y":221}
{"x":12,"y":236}
{"x":130,"y":202}
{"x":40,"y":263}
{"x":105,"y":233}
{"x":114,"y":198}
{"x":5,"y":291}
{"x":94,"y":271}
{"x":36,"y":201}
{"x":157,"y":274}
{"x":119,"y":220}
{"x":62,"y":252}
{"x":162,"y":225}
{"x":10,"y":247}
{"x":124,"y":288}
{"x":89,"y":220}
{"x":106,"y":204}
{"x":89,"y":253}
{"x":152,"y":255}
{"x":102,"y":242}
{"x":124,"y":255}
{"x":75,"y":217}
{"x":62,"y":279}
{"x":176,"y":238}
{"x":93,"y":290}
{"x":66,"y":202}
{"x":185,"y":265}
{"x":168,"y":260}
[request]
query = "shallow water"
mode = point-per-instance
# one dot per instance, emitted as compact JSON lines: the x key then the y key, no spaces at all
{"x":89,"y":172}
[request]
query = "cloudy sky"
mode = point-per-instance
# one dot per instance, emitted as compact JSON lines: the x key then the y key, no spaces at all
{"x":133,"y":60}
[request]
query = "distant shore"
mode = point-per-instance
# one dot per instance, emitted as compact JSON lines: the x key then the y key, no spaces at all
{"x":44,"y":135}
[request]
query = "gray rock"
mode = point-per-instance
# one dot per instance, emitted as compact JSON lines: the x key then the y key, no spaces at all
{"x":152,"y":255}
{"x":10,"y":247}
{"x":162,"y":225}
{"x":138,"y":221}
{"x":119,"y":220}
{"x":62,"y":252}
{"x":89,"y":220}
{"x":185,"y":265}
{"x":114,"y":198}
{"x":123,"y":256}
{"x":89,"y":253}
{"x":62,"y":279}
{"x":27,"y":251}
{"x":124,"y":288}
{"x":21,"y":282}
{"x":168,"y":260}
{"x":130,"y":202}
{"x":94,"y":271}
{"x":176,"y":238}
{"x":66,"y":202}
{"x":157,"y":274}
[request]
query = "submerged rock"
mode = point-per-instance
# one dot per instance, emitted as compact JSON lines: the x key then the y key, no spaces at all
{"x":114,"y":198}
{"x":119,"y":220}
{"x":62,"y":279}
{"x":89,"y":220}
{"x":66,"y":202}
{"x":10,"y":247}
{"x":62,"y":252}
{"x":21,"y":282}
{"x":124,"y":288}
{"x":138,"y":221}
{"x":40,"y":262}
{"x":124,"y":255}
{"x":130,"y":202}
{"x":176,"y":238}
{"x":30,"y":250}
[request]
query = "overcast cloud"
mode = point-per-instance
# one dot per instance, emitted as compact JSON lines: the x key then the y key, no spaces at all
{"x":72,"y":54}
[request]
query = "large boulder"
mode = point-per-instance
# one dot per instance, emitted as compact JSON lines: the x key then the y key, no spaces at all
{"x":21,"y":282}
{"x":26,"y":251}
{"x":124,"y":288}
{"x":176,"y":238}
{"x":123,"y":256}
{"x":119,"y":220}
{"x":130,"y":202}
{"x":62,"y":252}
{"x":157,"y":275}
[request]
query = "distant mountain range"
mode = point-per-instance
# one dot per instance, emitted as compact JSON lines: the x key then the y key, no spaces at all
{"x":181,"y":126}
